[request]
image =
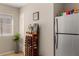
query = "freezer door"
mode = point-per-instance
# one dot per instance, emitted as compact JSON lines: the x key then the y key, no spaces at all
{"x":68,"y":24}
{"x":68,"y":45}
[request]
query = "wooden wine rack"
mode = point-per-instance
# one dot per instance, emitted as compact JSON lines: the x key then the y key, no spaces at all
{"x":31,"y":44}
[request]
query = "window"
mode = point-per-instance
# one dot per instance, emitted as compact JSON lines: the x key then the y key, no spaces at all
{"x":6,"y":25}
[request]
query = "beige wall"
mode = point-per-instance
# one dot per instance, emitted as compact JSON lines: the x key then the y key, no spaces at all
{"x":45,"y":22}
{"x":6,"y":42}
{"x":21,"y":29}
{"x":64,"y":6}
{"x":58,"y":7}
{"x":71,"y":5}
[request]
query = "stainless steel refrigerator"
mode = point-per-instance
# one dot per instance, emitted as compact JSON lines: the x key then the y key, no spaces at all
{"x":67,"y":35}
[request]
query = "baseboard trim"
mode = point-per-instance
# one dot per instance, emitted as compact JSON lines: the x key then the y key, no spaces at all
{"x":5,"y":53}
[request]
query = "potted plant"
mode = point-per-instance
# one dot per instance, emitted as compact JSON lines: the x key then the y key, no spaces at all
{"x":16,"y":40}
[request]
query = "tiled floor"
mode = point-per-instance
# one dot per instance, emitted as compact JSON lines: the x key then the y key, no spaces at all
{"x":14,"y":54}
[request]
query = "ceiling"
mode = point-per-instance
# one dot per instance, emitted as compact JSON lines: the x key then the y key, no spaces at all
{"x":17,"y":5}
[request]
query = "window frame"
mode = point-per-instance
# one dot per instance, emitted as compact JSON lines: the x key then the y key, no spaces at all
{"x":12,"y":28}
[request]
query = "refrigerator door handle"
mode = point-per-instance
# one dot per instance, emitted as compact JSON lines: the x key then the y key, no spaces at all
{"x":56,"y":34}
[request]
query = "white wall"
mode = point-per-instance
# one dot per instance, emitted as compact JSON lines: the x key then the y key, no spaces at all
{"x":6,"y":42}
{"x":45,"y":22}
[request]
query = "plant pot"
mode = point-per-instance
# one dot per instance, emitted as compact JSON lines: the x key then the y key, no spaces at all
{"x":16,"y":47}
